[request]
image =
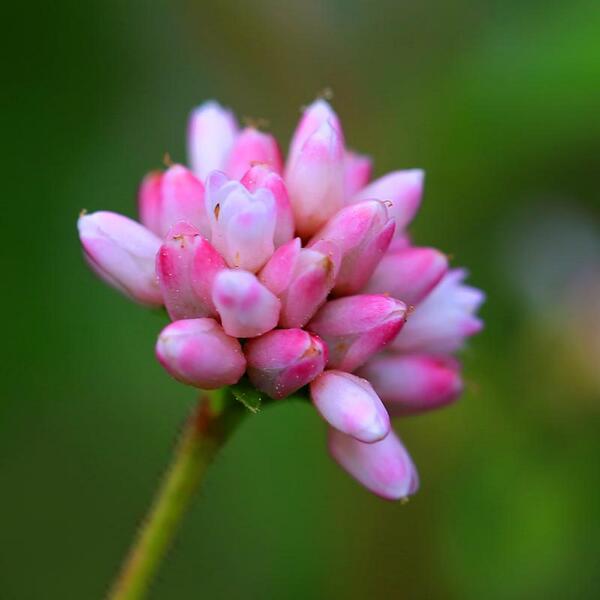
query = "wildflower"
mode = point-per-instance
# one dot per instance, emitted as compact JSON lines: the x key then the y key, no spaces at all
{"x":298,"y":276}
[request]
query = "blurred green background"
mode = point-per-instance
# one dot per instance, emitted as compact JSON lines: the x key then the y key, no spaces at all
{"x":499,"y":102}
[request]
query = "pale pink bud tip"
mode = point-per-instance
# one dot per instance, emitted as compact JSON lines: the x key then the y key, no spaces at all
{"x":350,"y":405}
{"x":247,"y":308}
{"x":122,"y":253}
{"x":356,"y":327}
{"x":211,"y":134}
{"x":176,"y":195}
{"x":402,"y":190}
{"x":313,"y":117}
{"x":253,"y":146}
{"x":284,"y":360}
{"x":186,"y":265}
{"x":408,"y":274}
{"x":261,"y":176}
{"x":242,"y":223}
{"x":413,"y":383}
{"x":442,"y":322}
{"x":384,"y":468}
{"x":199,"y":353}
{"x":315,"y":180}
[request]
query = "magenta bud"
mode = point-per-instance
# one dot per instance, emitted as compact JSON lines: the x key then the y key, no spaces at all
{"x":315,"y":180}
{"x":198,"y":352}
{"x":384,"y":468}
{"x":363,"y":232}
{"x":212,"y":131}
{"x":242,"y":223}
{"x":301,"y":278}
{"x":247,"y":307}
{"x":173,"y":196}
{"x":313,"y":117}
{"x":402,"y":190}
{"x":187,"y":265}
{"x":283,"y":360}
{"x":413,"y":383}
{"x":277,"y":273}
{"x":261,"y":176}
{"x":350,"y":405}
{"x":357,"y":172}
{"x":356,"y":327}
{"x":442,"y":322}
{"x":251,"y":147}
{"x":408,"y":274}
{"x":122,"y":253}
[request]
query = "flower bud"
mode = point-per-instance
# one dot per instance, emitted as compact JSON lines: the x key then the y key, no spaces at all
{"x":211,"y":133}
{"x":440,"y":324}
{"x":187,"y":265}
{"x":350,"y":405}
{"x":250,"y":147}
{"x":170,"y":197}
{"x":356,"y":327}
{"x":283,"y":360}
{"x":357,"y":172}
{"x":363,"y":232}
{"x":198,"y":352}
{"x":261,"y":176}
{"x":408,"y":274}
{"x":247,"y":307}
{"x":403,"y":191}
{"x":315,"y":180}
{"x":384,"y":468}
{"x":413,"y":383}
{"x":122,"y":253}
{"x":313,"y":117}
{"x":242,"y":223}
{"x":301,"y":278}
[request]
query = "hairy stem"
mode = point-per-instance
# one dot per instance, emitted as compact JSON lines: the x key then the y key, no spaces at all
{"x":205,"y":431}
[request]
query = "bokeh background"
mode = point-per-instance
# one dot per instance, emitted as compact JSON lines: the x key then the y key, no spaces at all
{"x":498,"y":101}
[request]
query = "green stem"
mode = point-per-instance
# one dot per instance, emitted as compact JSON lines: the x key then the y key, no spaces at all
{"x":205,"y":431}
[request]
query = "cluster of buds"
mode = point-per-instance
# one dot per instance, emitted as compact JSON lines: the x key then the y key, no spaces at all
{"x":295,"y":275}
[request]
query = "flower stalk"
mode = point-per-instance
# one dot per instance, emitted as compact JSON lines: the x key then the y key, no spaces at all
{"x":207,"y":428}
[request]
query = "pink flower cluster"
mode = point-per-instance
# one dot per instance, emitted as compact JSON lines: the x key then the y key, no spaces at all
{"x":296,"y":274}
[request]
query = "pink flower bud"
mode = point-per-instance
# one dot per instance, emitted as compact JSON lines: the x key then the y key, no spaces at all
{"x":198,"y":352}
{"x":408,"y":274}
{"x":315,"y":180}
{"x":277,"y":273}
{"x":384,"y":468}
{"x":363,"y":233}
{"x":357,"y":172}
{"x":176,"y":195}
{"x":440,"y":324}
{"x":313,"y":117}
{"x":187,"y":265}
{"x":122,"y":253}
{"x":403,"y":189}
{"x":242,"y":223}
{"x":250,"y":147}
{"x":350,"y":405}
{"x":261,"y":176}
{"x":301,"y":278}
{"x":413,"y":383}
{"x":211,"y":133}
{"x":247,"y":307}
{"x":283,"y":360}
{"x":356,"y":327}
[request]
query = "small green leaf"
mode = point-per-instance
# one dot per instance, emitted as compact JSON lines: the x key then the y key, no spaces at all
{"x":248,"y":395}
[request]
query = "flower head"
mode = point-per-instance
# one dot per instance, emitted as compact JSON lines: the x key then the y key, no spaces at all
{"x":299,"y":277}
